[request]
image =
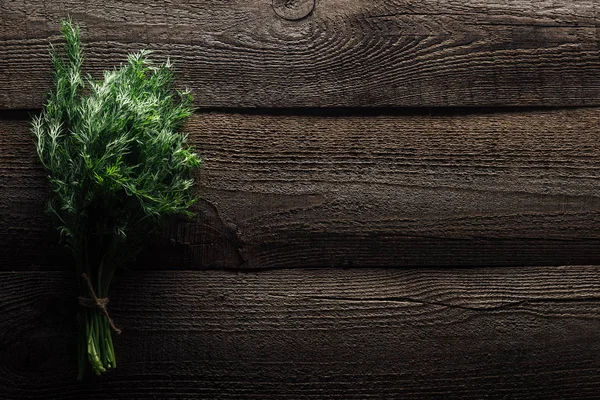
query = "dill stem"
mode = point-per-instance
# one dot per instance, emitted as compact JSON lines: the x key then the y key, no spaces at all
{"x":111,"y":349}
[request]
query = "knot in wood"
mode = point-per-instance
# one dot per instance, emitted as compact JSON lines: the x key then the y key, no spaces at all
{"x":293,"y":10}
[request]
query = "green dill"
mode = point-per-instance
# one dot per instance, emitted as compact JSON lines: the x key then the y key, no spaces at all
{"x":116,"y":164}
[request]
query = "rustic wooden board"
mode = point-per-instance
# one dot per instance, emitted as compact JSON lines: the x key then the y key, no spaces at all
{"x":348,"y":334}
{"x":249,"y":53}
{"x":519,"y":188}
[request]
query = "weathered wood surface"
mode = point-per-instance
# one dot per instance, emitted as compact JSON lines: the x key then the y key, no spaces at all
{"x":493,"y":333}
{"x":519,"y":188}
{"x":249,"y":53}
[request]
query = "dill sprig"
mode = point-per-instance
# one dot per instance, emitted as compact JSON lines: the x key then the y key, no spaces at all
{"x":116,"y":164}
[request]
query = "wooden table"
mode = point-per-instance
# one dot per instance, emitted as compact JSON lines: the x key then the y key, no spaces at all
{"x":400,"y":199}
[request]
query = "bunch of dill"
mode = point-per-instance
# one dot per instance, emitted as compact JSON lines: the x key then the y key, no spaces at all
{"x":116,"y":165}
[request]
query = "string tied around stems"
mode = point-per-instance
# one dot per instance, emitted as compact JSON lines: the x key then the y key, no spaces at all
{"x":95,"y":302}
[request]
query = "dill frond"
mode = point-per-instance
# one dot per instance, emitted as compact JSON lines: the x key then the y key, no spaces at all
{"x":116,"y":162}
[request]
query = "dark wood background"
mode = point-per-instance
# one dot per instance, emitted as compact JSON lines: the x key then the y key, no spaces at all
{"x":400,"y":199}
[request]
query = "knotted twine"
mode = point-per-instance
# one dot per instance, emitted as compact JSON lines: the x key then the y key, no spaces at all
{"x":95,"y":302}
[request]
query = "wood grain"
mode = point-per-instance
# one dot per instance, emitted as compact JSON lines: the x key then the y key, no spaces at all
{"x":249,"y":53}
{"x":517,"y":333}
{"x":513,"y":188}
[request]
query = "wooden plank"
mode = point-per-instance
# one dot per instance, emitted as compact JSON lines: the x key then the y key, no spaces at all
{"x":260,"y":53}
{"x":518,"y":188}
{"x":350,"y":334}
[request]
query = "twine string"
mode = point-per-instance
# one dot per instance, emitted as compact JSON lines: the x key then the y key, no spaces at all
{"x":95,"y":302}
